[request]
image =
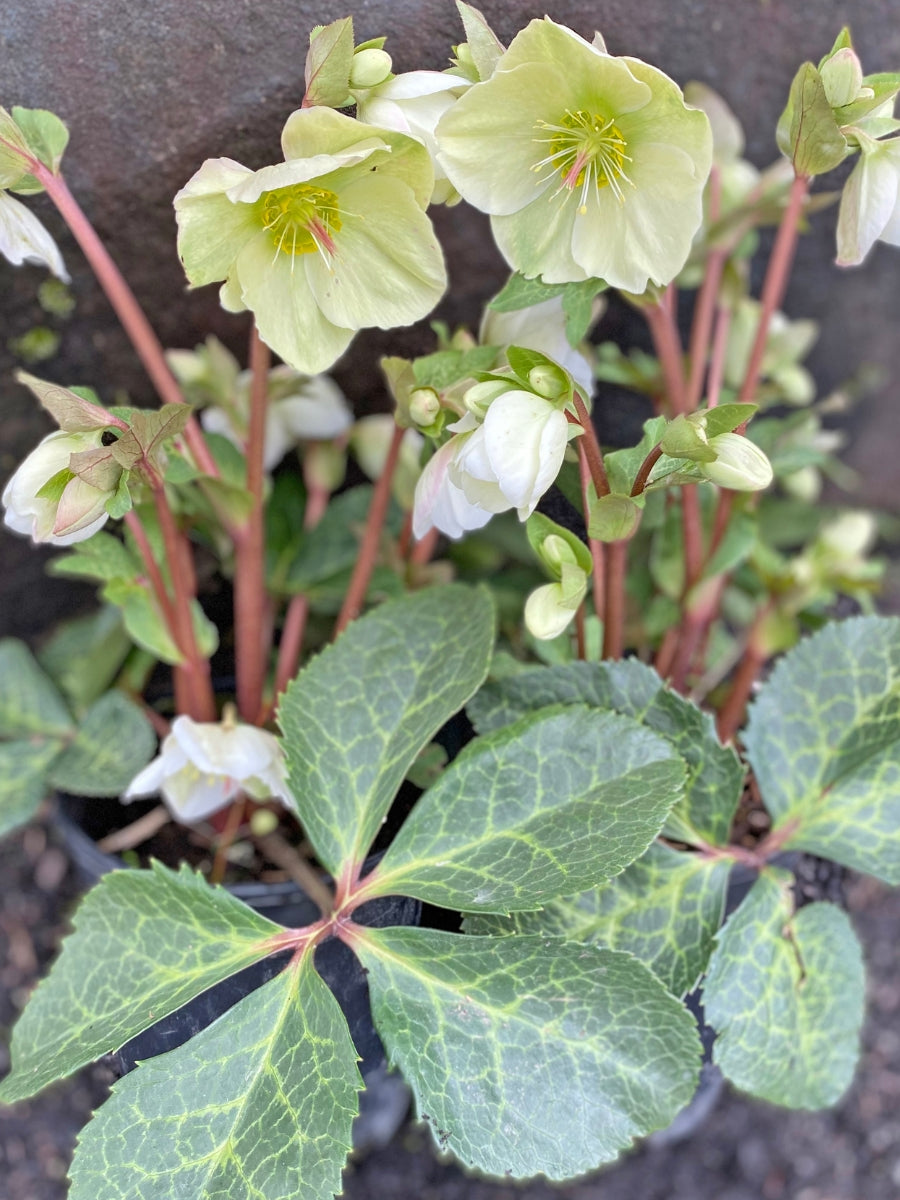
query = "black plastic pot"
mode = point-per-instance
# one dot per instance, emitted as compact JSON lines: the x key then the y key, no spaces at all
{"x":385,"y":1100}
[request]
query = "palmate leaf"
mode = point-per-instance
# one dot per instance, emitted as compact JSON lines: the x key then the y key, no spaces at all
{"x":529,"y":1055}
{"x":114,"y":741}
{"x":554,"y":803}
{"x":357,"y":716}
{"x":823,"y":740}
{"x":23,"y":779}
{"x":145,"y":943}
{"x":259,"y":1104}
{"x":664,"y":909}
{"x":715,"y":775}
{"x":785,"y":994}
{"x":30,"y":703}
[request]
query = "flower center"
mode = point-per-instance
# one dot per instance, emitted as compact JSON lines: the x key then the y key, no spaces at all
{"x":302,"y":218}
{"x":586,"y":150}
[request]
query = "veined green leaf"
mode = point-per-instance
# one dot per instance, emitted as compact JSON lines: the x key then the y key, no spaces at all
{"x":23,"y":779}
{"x":558,"y":801}
{"x":823,"y":740}
{"x":785,"y":994}
{"x":29,"y":701}
{"x":715,"y":775}
{"x":529,"y":1054}
{"x":85,"y":654}
{"x":259,"y":1104}
{"x":145,"y":943}
{"x":114,"y":741}
{"x":664,"y":909}
{"x":357,"y":716}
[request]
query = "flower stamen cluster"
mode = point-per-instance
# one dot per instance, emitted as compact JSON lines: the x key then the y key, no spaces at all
{"x":585,"y":149}
{"x":308,"y":216}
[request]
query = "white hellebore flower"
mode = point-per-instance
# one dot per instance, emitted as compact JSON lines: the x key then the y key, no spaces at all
{"x":300,"y":409}
{"x":24,"y":239}
{"x":413,"y":103}
{"x":202,"y":766}
{"x":507,"y":461}
{"x":870,"y":201}
{"x":45,"y":500}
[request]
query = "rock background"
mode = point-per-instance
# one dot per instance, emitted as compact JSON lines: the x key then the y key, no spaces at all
{"x":149,"y":91}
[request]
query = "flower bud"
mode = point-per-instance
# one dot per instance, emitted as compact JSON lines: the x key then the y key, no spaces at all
{"x":324,"y":465}
{"x":549,"y":382}
{"x":739,"y":465}
{"x":369,"y":68}
{"x":480,"y":396}
{"x":47,"y":500}
{"x":424,"y":406}
{"x":685,"y":437}
{"x":550,"y":608}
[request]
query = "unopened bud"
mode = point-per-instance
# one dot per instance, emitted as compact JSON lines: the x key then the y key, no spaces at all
{"x":739,"y":465}
{"x":263,"y":822}
{"x":548,"y":610}
{"x":369,"y":68}
{"x":424,"y":406}
{"x":548,"y":381}
{"x":324,"y":465}
{"x":480,"y":396}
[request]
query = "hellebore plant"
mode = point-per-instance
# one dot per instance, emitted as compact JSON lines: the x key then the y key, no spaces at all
{"x":603,"y":614}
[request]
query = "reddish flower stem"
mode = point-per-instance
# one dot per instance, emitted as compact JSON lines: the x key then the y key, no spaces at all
{"x":640,"y":480}
{"x":614,"y":625}
{"x":669,"y":352}
{"x":423,"y":550}
{"x":591,"y":447}
{"x":368,"y":551}
{"x":704,"y":310}
{"x":775,"y":283}
{"x":202,"y":704}
{"x":595,"y":546}
{"x":692,"y":534}
{"x":731,"y":714}
{"x":717,"y":358}
{"x":252,"y":624}
{"x":140,"y":332}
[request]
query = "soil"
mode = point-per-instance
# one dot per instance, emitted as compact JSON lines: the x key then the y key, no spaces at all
{"x":745,"y":1151}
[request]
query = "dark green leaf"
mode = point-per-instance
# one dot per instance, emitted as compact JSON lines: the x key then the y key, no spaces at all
{"x":23,"y":779}
{"x":29,"y":701}
{"x":114,"y":741}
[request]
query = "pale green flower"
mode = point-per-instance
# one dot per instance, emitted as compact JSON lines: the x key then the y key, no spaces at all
{"x":330,"y":241}
{"x":24,"y":239}
{"x":589,"y":165}
{"x":870,"y":201}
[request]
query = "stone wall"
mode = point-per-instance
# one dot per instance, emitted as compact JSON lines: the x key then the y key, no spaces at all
{"x":150,"y":90}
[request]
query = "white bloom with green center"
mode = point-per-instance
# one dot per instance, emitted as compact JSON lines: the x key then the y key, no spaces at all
{"x":332,"y":240}
{"x":47,"y":501}
{"x":202,"y":766}
{"x":589,"y":165}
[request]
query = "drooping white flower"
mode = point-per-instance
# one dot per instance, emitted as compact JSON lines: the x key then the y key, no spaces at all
{"x":203,"y":766}
{"x":539,"y":327}
{"x":413,"y":103}
{"x":24,"y":239}
{"x":739,"y":464}
{"x":870,"y":201}
{"x":47,"y":501}
{"x":439,"y":503}
{"x":300,"y":409}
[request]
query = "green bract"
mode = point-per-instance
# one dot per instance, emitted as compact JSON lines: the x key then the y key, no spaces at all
{"x":590,"y":165}
{"x":330,"y":241}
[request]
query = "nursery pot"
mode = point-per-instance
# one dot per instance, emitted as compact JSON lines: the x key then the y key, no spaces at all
{"x":385,"y":1100}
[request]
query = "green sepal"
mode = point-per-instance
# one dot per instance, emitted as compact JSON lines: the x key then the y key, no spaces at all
{"x":144,"y":944}
{"x":808,"y":133}
{"x":113,"y":742}
{"x":47,"y":138}
{"x":328,"y":62}
{"x":120,"y":501}
{"x":189,"y":1122}
{"x":785,"y":994}
{"x":571,"y":1051}
{"x":715,"y":774}
{"x":484,"y":45}
{"x":823,"y":739}
{"x":356,"y":717}
{"x":539,"y":527}
{"x":52,"y":490}
{"x":725,"y":418}
{"x":614,"y":517}
{"x":552,"y":804}
{"x":665,"y":909}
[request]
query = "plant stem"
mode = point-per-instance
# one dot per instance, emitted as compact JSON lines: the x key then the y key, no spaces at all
{"x":126,"y":307}
{"x":731,"y":713}
{"x":423,"y":550}
{"x":368,"y":551}
{"x":775,"y":282}
{"x":667,"y":343}
{"x":591,"y":447}
{"x":640,"y":480}
{"x":614,"y":625}
{"x":717,"y":358}
{"x":580,"y":635}
{"x":202,"y":706}
{"x":226,"y":839}
{"x":595,"y":546}
{"x":251,"y":618}
{"x":704,"y":309}
{"x":692,"y":533}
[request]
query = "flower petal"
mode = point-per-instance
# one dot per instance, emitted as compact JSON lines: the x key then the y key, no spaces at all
{"x":23,"y":238}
